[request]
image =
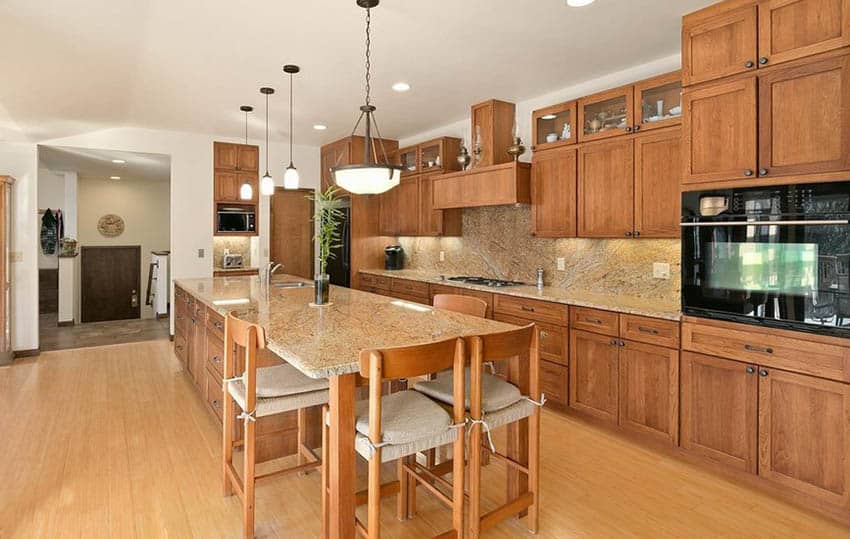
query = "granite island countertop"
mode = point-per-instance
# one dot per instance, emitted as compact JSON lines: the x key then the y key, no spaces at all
{"x":219,"y":269}
{"x":326,"y":341}
{"x":651,"y":307}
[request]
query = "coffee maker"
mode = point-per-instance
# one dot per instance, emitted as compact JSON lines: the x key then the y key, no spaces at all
{"x":393,"y":257}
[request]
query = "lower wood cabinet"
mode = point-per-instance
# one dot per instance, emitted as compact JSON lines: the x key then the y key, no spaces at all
{"x":594,"y":374}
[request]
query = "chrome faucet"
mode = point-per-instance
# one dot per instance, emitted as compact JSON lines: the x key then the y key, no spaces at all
{"x":266,"y":277}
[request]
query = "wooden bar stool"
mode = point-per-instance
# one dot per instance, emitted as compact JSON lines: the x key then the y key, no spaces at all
{"x":461,"y":304}
{"x":492,"y":403}
{"x":393,"y":427}
{"x":261,"y":392}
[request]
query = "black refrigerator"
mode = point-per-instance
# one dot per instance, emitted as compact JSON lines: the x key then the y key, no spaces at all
{"x":339,"y":266}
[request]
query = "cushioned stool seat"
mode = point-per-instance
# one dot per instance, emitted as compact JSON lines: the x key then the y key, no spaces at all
{"x":411,"y":422}
{"x":281,"y":388}
{"x":495,"y":392}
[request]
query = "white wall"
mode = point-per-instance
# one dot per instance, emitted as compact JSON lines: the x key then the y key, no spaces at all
{"x":51,"y":194}
{"x":144,"y":207}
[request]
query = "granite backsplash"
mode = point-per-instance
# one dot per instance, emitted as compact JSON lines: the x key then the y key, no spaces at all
{"x":497,"y":243}
{"x":235,"y":245}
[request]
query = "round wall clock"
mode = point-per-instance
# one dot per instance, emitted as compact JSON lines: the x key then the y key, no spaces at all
{"x":110,"y":225}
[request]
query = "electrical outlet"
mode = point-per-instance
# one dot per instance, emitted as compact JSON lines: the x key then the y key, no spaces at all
{"x":16,"y":256}
{"x":562,"y":263}
{"x":660,"y":270}
{"x":442,"y":256}
{"x":200,"y":253}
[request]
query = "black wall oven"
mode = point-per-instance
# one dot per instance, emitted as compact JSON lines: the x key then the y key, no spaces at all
{"x":776,"y":256}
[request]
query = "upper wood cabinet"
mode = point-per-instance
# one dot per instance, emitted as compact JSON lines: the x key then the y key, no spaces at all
{"x":657,"y":198}
{"x":719,"y":410}
{"x":553,"y":193}
{"x":439,"y":155}
{"x":720,"y":131}
{"x":508,"y":183}
{"x":594,"y":374}
{"x":658,"y":102}
{"x":791,"y":29}
{"x":350,"y":151}
{"x":225,"y":155}
{"x":491,"y":130}
{"x":389,"y":219}
{"x":554,"y":126}
{"x":407,"y":206}
{"x":248,"y":158}
{"x":606,"y":114}
{"x":226,"y":186}
{"x":433,"y":222}
{"x":606,"y":190}
{"x":408,"y":159}
{"x":719,"y":41}
{"x":804,"y":117}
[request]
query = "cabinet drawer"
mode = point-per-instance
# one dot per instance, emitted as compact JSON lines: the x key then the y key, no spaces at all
{"x":411,"y":298}
{"x":214,"y":394}
{"x":215,"y":324}
{"x":215,"y":356}
{"x":771,"y":348}
{"x":374,"y":290}
{"x":410,"y":288}
{"x":553,"y":382}
{"x":374,"y":281}
{"x":435,"y":289}
{"x":552,"y":340}
{"x":532,"y":309}
{"x":595,"y":320}
{"x":649,"y":330}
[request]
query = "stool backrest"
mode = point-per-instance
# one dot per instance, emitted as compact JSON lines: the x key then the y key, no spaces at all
{"x":249,"y":337}
{"x":461,"y":304}
{"x":521,"y":346}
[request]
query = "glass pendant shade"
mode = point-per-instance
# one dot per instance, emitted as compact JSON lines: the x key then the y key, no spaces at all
{"x":291,"y":180}
{"x":267,"y":185}
{"x":246,"y":192}
{"x":371,"y":179}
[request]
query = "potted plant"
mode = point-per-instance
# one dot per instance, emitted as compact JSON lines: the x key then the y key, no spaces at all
{"x":328,"y":215}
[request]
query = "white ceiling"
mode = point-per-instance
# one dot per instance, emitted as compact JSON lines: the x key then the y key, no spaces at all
{"x":97,"y":164}
{"x":72,"y":67}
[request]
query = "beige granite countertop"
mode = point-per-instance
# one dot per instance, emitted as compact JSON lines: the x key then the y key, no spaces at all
{"x":234,"y":270}
{"x":326,"y":341}
{"x":655,"y":308}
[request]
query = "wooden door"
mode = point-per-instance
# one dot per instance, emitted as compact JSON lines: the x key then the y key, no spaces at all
{"x":226,"y":187}
{"x":291,"y":238}
{"x":720,"y":132}
{"x":804,"y":118}
{"x":658,"y":171}
{"x":791,"y":29}
{"x":436,"y":222}
{"x":594,"y":375}
{"x":804,"y":434}
{"x":407,"y":206}
{"x":649,"y":390}
{"x":719,"y":420}
{"x":606,"y":190}
{"x":110,"y":283}
{"x":248,"y":158}
{"x":606,"y":114}
{"x":225,"y":155}
{"x":553,"y":193}
{"x":719,"y":42}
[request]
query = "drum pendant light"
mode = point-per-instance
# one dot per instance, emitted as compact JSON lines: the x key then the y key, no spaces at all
{"x":370,"y":177}
{"x":267,"y":182}
{"x":246,"y":191}
{"x":290,"y":177}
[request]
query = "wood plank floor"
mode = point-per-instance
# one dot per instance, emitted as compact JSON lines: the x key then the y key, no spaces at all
{"x":113,"y":442}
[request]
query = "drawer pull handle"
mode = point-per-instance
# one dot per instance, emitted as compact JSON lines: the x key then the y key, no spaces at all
{"x":219,"y":326}
{"x":651,"y":331}
{"x":527,"y":309}
{"x":751,"y":348}
{"x":216,"y":404}
{"x":216,"y":359}
{"x":544,"y":334}
{"x":592,"y":320}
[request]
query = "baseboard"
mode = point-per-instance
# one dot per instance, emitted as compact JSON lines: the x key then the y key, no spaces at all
{"x":26,"y":353}
{"x":65,"y":323}
{"x":161,"y":316}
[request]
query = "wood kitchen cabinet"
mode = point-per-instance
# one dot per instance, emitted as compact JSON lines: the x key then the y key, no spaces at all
{"x":226,"y":186}
{"x":433,"y":222}
{"x":658,"y":102}
{"x":406,"y":206}
{"x":720,"y":132}
{"x":719,"y":410}
{"x":408,"y":160}
{"x":649,"y":392}
{"x":350,"y":151}
{"x":491,"y":130}
{"x":791,"y":29}
{"x":594,"y":374}
{"x":719,"y":41}
{"x":606,"y":189}
{"x":606,"y":114}
{"x":554,"y":126}
{"x":657,"y":194}
{"x":553,"y":193}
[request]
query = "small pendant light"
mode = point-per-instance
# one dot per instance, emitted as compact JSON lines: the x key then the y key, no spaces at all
{"x":266,"y":182}
{"x":246,"y":192}
{"x":290,"y":177}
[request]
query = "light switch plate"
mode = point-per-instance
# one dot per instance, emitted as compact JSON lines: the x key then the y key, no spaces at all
{"x":562,"y":264}
{"x":660,"y":270}
{"x":200,"y":253}
{"x":442,"y":256}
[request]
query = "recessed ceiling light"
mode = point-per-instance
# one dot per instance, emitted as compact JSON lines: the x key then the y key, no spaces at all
{"x":548,"y":117}
{"x":579,"y":3}
{"x":115,"y":177}
{"x":118,"y":161}
{"x":401,"y":87}
{"x":320,"y":127}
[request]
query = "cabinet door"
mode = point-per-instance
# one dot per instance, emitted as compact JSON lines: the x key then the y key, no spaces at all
{"x":553,"y":193}
{"x":804,"y":434}
{"x":606,"y":190}
{"x":719,"y":419}
{"x":249,"y":158}
{"x":334,"y":155}
{"x":606,"y":114}
{"x":649,"y":390}
{"x":658,"y":102}
{"x":790,"y":29}
{"x":226,"y":186}
{"x":436,"y":222}
{"x":720,"y":132}
{"x":407,"y":206}
{"x":804,"y":118}
{"x":408,"y":158}
{"x":720,"y":45}
{"x":594,"y":376}
{"x":389,"y":212}
{"x":658,"y":170}
{"x":225,"y":155}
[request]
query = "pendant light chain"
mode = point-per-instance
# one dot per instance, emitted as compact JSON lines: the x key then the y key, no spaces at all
{"x":368,"y":55}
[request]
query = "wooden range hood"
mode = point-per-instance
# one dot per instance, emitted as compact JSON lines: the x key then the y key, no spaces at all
{"x":495,"y":185}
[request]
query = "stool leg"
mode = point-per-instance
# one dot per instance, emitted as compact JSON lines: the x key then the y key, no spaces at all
{"x":325,"y":455}
{"x":227,"y":450}
{"x":457,"y":483}
{"x":475,"y":482}
{"x":411,"y":490}
{"x":534,"y":470}
{"x":248,"y":472}
{"x":403,"y":480}
{"x":374,"y":517}
{"x":302,"y":437}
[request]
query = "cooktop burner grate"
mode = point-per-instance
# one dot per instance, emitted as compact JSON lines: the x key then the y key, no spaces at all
{"x":484,"y":281}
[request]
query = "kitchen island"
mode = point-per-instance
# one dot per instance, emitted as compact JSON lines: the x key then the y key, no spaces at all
{"x":325,"y":342}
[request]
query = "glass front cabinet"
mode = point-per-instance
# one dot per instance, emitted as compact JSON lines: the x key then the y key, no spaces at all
{"x":658,"y":102}
{"x":554,"y":126}
{"x":408,"y":158}
{"x":606,"y":114}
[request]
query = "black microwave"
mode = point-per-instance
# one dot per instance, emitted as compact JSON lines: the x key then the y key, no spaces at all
{"x":237,"y":219}
{"x":777,"y":256}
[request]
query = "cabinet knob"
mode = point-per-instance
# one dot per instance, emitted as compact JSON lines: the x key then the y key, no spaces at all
{"x":749,"y":64}
{"x":750,"y":369}
{"x":748,"y":172}
{"x":763,"y":60}
{"x":628,"y":129}
{"x":216,"y":359}
{"x":629,"y":234}
{"x":763,"y":372}
{"x":637,"y":233}
{"x":543,"y":335}
{"x":622,"y":343}
{"x":637,"y":128}
{"x":613,"y":342}
{"x":763,"y":172}
{"x":219,"y":325}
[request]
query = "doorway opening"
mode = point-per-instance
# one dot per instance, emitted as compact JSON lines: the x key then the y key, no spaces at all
{"x":104,"y":238}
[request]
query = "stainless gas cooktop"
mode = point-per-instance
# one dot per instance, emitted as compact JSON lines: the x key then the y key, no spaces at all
{"x":484,"y":281}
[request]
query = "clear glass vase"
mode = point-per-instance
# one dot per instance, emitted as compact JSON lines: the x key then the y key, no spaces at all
{"x":322,"y":286}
